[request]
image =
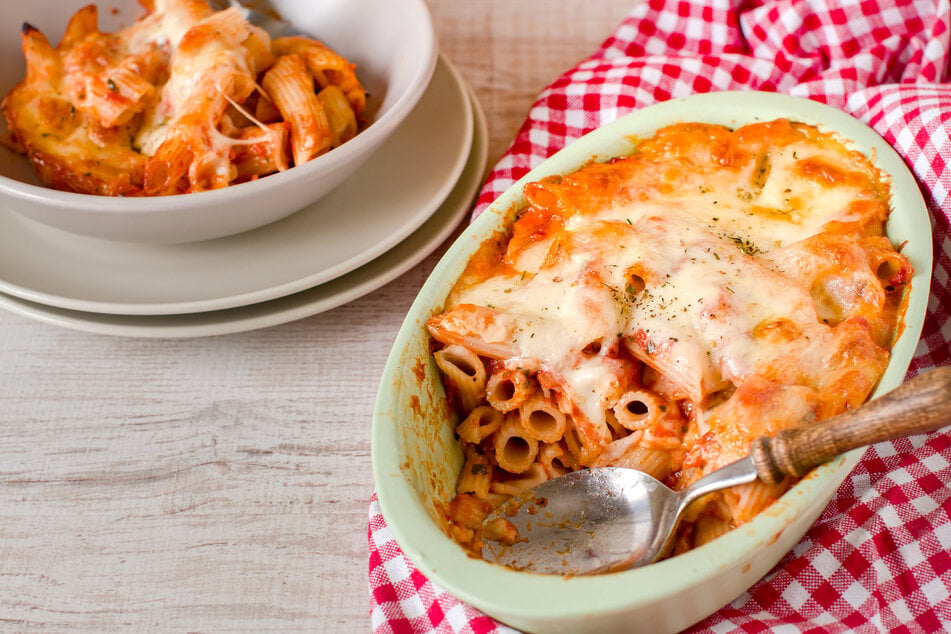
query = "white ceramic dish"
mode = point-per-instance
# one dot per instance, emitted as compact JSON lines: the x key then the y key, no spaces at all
{"x":391,"y":41}
{"x":416,"y":457}
{"x":337,"y":292}
{"x":365,"y":217}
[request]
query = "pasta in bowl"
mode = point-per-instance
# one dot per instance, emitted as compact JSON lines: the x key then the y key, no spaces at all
{"x":172,"y":98}
{"x":620,"y":316}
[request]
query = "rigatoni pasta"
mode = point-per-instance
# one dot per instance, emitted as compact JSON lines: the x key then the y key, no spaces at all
{"x":465,"y":372}
{"x":185,"y":99}
{"x":542,"y":420}
{"x":292,"y":90}
{"x":515,"y":447}
{"x":662,"y":310}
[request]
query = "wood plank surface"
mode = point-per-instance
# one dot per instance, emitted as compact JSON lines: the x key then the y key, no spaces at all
{"x":222,"y":483}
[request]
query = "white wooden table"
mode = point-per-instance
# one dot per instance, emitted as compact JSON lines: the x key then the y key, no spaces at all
{"x":222,"y":483}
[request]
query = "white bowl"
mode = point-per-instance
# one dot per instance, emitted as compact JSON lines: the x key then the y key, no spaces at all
{"x":416,"y":457}
{"x":392,"y":42}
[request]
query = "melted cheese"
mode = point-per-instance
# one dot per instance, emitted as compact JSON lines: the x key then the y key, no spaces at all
{"x":681,"y":277}
{"x":693,"y":319}
{"x":166,"y":25}
{"x":203,"y":65}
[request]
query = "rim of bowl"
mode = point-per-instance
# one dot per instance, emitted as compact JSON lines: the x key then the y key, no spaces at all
{"x":499,"y":590}
{"x":374,"y":134}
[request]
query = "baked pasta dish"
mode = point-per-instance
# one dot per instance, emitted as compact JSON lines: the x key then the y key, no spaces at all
{"x":185,"y":99}
{"x":662,"y":310}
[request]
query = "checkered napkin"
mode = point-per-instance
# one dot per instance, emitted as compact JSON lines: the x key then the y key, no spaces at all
{"x":879,"y":557}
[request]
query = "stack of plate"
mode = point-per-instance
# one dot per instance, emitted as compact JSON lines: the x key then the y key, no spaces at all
{"x":394,"y":212}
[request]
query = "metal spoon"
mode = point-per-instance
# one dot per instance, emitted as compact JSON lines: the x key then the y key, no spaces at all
{"x":608,"y":519}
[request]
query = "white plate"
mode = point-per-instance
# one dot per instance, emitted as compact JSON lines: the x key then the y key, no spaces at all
{"x":392,"y":195}
{"x":329,"y":295}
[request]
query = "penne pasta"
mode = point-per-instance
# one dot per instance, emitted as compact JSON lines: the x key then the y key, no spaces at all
{"x":166,"y":170}
{"x":476,"y":474}
{"x":515,"y":450}
{"x":291,"y":89}
{"x":552,"y":460}
{"x":581,"y":451}
{"x":532,"y":477}
{"x":542,"y":420}
{"x":341,"y":119}
{"x":507,"y":389}
{"x":617,"y":431}
{"x":482,"y":422}
{"x":258,"y":52}
{"x":469,"y":510}
{"x":330,"y":67}
{"x":265,"y":111}
{"x":81,"y":25}
{"x":747,"y":500}
{"x":654,"y":462}
{"x":263,"y":152}
{"x":637,"y":410}
{"x":42,"y":61}
{"x":465,"y":372}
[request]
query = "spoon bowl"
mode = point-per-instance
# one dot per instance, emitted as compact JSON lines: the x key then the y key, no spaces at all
{"x":612,"y":518}
{"x":590,"y":520}
{"x":596,"y":520}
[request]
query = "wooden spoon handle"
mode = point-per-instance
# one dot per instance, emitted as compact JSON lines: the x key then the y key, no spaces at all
{"x":923,"y":404}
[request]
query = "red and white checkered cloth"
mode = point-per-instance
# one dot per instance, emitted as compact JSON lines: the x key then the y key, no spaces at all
{"x":879,"y":557}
